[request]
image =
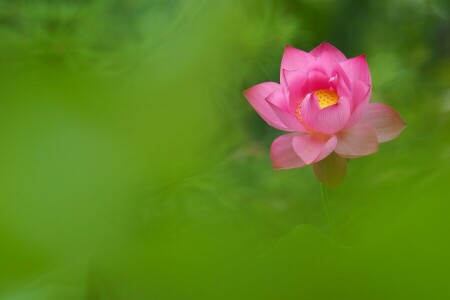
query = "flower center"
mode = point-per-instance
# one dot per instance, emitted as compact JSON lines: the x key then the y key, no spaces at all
{"x":326,"y":98}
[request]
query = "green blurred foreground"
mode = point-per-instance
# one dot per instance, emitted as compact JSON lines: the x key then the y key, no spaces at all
{"x":131,"y":166}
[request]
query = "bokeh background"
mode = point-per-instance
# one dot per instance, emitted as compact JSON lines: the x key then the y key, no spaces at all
{"x":131,"y":166}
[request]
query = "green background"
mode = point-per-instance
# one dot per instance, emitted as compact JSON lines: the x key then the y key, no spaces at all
{"x":131,"y":166}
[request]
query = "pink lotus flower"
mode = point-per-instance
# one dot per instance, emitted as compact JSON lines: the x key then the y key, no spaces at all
{"x":323,"y":101}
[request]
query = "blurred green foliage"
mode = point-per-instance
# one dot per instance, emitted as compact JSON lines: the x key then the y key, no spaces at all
{"x":131,"y":166}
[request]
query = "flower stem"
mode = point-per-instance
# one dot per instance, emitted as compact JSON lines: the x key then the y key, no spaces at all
{"x":327,"y":207}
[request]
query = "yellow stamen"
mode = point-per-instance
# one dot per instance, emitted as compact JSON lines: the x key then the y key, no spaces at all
{"x":326,"y":98}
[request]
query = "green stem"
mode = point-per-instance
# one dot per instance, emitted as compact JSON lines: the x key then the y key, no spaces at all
{"x":327,"y":207}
